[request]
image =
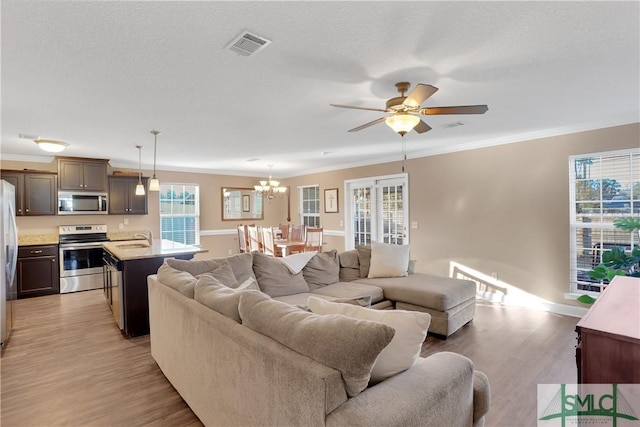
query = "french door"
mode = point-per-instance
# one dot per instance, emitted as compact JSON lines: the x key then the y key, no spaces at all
{"x":377,"y":210}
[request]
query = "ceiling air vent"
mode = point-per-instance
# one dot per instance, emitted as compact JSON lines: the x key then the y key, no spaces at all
{"x":247,"y":44}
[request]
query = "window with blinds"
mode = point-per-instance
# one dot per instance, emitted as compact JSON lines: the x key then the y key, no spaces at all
{"x":378,"y":208}
{"x":603,"y":187}
{"x":310,"y":206}
{"x":180,"y":213}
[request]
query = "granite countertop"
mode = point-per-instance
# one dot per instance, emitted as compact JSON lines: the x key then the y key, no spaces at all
{"x":126,"y":250}
{"x":37,"y":239}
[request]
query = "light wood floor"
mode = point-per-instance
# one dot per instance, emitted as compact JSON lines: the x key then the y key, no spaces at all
{"x":67,"y":364}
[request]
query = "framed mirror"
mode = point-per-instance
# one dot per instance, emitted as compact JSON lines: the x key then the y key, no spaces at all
{"x":240,"y":204}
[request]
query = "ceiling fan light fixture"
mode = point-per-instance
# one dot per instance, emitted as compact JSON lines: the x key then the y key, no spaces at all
{"x":51,"y":146}
{"x":402,"y":123}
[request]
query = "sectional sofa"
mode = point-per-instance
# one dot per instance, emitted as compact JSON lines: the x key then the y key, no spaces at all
{"x":239,"y":357}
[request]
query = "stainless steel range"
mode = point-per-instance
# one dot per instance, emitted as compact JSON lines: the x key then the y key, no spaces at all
{"x":81,"y":257}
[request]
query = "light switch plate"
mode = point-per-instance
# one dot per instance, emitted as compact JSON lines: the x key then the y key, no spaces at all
{"x":414,"y":224}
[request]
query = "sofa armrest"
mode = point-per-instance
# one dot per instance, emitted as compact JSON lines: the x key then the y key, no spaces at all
{"x":481,"y":395}
{"x":436,"y":391}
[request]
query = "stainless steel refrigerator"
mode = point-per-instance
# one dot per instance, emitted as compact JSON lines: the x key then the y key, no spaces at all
{"x":9,"y":254}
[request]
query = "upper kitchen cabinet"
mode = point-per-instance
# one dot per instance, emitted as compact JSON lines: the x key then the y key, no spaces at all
{"x":35,"y":192}
{"x":82,"y":174}
{"x":122,"y":196}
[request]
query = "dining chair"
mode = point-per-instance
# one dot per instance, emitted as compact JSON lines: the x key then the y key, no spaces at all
{"x":268,"y":242}
{"x":284,"y":231}
{"x":296,"y":233}
{"x":242,"y":238}
{"x":254,"y":238}
{"x":313,"y":239}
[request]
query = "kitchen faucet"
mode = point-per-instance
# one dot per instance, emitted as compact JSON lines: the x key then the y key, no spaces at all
{"x":148,"y":236}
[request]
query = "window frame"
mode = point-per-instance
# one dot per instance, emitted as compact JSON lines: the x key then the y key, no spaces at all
{"x":302,"y":214}
{"x":195,"y":215}
{"x":372,"y":186}
{"x":601,"y":228}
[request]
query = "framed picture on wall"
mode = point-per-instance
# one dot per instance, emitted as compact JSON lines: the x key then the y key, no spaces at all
{"x":331,"y":200}
{"x":246,"y":203}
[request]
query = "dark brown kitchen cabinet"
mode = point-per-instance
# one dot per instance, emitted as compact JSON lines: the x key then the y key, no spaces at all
{"x":37,"y":270}
{"x":35,"y":192}
{"x":82,"y":174}
{"x":122,"y":196}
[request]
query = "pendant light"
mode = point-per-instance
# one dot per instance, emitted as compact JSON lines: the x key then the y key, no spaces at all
{"x":139,"y":187}
{"x":154,"y":183}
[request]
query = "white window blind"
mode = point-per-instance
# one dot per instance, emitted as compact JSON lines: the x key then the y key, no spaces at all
{"x":603,"y":187}
{"x":180,"y":213}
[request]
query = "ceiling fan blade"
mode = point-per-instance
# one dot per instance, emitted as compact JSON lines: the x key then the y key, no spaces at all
{"x":422,"y":127}
{"x":366,"y":125}
{"x":419,"y":94}
{"x":463,"y":109}
{"x":357,"y":108}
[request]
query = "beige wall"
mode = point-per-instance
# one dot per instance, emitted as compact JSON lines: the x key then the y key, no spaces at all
{"x":501,"y":209}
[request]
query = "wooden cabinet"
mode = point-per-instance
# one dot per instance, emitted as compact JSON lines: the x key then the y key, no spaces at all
{"x":37,"y":271}
{"x":35,"y":192}
{"x":122,"y":196}
{"x":608,"y":350}
{"x":82,"y":174}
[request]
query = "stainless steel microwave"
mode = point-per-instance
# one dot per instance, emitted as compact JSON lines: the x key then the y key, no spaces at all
{"x":80,"y":203}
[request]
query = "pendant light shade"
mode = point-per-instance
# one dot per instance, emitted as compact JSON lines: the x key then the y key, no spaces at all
{"x":139,"y":187}
{"x":154,"y":183}
{"x":402,"y":122}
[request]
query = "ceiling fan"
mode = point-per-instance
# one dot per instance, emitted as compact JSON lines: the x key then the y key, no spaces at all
{"x":406,"y":108}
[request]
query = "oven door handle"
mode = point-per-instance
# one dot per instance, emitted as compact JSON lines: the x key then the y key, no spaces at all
{"x":71,"y":246}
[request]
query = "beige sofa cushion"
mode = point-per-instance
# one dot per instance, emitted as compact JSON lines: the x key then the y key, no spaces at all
{"x":351,"y":290}
{"x":225,"y":275}
{"x":364,"y":259}
{"x":438,"y":293}
{"x":274,"y":277}
{"x":348,"y":345}
{"x":181,"y":281}
{"x":214,"y":294}
{"x":241,"y":264}
{"x":410,"y":326}
{"x":388,"y":260}
{"x":349,"y":265}
{"x":322,"y":270}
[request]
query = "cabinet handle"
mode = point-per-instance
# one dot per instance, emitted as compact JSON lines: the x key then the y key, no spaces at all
{"x":36,"y":252}
{"x":53,"y":260}
{"x":26,"y":210}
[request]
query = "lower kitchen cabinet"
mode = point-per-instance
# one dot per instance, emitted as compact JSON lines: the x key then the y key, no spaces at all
{"x":38,"y":272}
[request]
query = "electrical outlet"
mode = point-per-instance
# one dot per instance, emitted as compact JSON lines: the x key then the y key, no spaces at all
{"x":230,"y":251}
{"x":121,"y":226}
{"x":414,"y":225}
{"x":341,"y":223}
{"x":126,"y":221}
{"x":495,"y":276}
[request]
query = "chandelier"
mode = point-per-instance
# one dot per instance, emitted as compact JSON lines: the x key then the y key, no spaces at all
{"x":270,"y":188}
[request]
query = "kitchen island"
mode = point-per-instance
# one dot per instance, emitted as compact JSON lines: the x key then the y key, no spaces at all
{"x":126,"y":267}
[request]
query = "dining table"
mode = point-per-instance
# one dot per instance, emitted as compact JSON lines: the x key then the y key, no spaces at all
{"x":287,"y":246}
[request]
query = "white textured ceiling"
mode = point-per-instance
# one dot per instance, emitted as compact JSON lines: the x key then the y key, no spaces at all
{"x":101,"y":75}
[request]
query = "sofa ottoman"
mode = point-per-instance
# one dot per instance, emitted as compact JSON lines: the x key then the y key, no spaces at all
{"x":450,"y":302}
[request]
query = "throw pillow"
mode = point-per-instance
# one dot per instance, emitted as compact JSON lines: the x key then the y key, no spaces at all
{"x":224,"y":274}
{"x":348,"y":345}
{"x":241,"y":264}
{"x":210,"y":292}
{"x":181,"y":281}
{"x":364,"y":258}
{"x":322,"y":270}
{"x":388,"y":260}
{"x":349,"y":266}
{"x":410,"y":326}
{"x":274,"y":277}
